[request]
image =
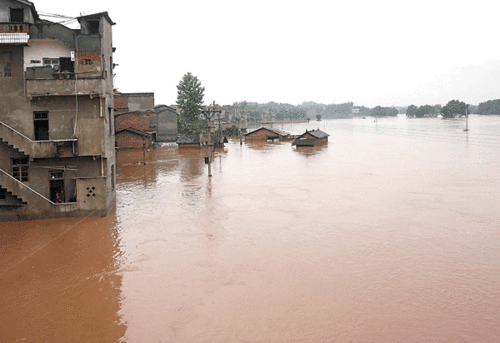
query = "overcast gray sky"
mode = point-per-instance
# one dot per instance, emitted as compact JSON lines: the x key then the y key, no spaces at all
{"x":370,"y":52}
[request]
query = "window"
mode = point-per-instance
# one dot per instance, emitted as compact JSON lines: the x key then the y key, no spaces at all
{"x":3,"y":194}
{"x":50,"y":62}
{"x":16,"y":15}
{"x":94,"y":26}
{"x":6,"y":64}
{"x":41,"y":125}
{"x":87,"y":61}
{"x":110,"y":116}
{"x":20,"y":168}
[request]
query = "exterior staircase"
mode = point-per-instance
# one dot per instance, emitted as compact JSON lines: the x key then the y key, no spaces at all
{"x":22,"y":191}
{"x":33,"y":149}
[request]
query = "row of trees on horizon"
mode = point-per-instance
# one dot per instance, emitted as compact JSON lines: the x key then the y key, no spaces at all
{"x":190,"y":101}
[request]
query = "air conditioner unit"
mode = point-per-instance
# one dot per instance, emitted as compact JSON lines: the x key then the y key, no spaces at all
{"x":56,"y":67}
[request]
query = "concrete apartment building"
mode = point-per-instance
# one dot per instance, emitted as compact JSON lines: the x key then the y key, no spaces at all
{"x":57,"y":154}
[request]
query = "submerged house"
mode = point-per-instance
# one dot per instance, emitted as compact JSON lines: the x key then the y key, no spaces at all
{"x":311,"y":138}
{"x":135,"y":120}
{"x":166,"y":124}
{"x":57,"y":155}
{"x":268,"y":134}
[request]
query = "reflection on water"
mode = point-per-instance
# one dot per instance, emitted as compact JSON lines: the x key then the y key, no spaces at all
{"x":388,"y":233}
{"x":59,"y":281}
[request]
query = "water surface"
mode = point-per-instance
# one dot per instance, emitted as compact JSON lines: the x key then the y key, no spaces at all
{"x":391,"y":232}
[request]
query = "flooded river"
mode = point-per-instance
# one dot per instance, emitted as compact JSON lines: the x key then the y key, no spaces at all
{"x":390,"y":233}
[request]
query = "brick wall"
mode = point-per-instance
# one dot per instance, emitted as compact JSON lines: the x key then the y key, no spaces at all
{"x":121,"y":104}
{"x":128,"y":140}
{"x":260,"y":135}
{"x":137,"y":120}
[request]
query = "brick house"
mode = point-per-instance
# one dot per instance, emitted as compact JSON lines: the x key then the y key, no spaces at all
{"x":135,"y":120}
{"x":131,"y":138}
{"x":267,"y":134}
{"x":311,"y":138}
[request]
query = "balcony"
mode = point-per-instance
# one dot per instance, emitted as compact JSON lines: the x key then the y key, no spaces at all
{"x":14,"y":33}
{"x":46,"y":81}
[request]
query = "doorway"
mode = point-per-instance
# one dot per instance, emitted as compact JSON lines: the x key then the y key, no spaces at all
{"x":57,"y":194}
{"x":41,"y":123}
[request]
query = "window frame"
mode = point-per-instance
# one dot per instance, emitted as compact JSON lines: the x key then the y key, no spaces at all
{"x":6,"y":64}
{"x":20,"y":168}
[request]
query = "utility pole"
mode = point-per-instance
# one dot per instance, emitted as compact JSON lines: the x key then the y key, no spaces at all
{"x":209,"y":114}
{"x":466,"y":120}
{"x":144,"y":149}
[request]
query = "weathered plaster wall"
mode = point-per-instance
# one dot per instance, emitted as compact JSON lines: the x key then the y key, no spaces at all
{"x":14,"y":105}
{"x":57,"y":31}
{"x":47,"y":48}
{"x":7,"y":153}
{"x":167,"y":126}
{"x":6,"y":5}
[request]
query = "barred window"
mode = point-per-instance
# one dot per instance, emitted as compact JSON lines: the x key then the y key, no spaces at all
{"x":20,"y":169}
{"x":6,"y":64}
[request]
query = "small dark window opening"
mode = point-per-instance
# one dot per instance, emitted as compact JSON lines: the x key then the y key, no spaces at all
{"x":16,"y":15}
{"x":20,"y":169}
{"x":88,"y":61}
{"x":67,"y":65}
{"x":3,"y":193}
{"x":113,"y":176}
{"x":94,"y":26}
{"x":110,"y":116}
{"x":41,"y":124}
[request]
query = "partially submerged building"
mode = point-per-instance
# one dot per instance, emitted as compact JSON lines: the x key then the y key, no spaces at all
{"x":268,"y":134}
{"x":135,"y":120}
{"x":311,"y":138}
{"x":57,"y":156}
{"x":137,"y":111}
{"x":166,"y":125}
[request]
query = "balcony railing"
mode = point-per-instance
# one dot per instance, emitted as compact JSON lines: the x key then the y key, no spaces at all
{"x":14,"y":27}
{"x":14,"y":33}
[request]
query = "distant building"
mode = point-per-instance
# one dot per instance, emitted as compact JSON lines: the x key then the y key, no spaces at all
{"x":135,"y":120}
{"x":131,"y":138}
{"x":134,"y":102}
{"x":267,"y":134}
{"x":166,"y":124}
{"x":311,"y":138}
{"x":189,"y":140}
{"x":355,"y":111}
{"x":57,"y":155}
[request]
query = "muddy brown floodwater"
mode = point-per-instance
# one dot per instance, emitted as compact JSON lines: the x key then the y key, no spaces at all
{"x":390,"y":233}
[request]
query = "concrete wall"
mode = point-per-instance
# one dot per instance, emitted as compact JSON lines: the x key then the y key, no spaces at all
{"x":132,"y":102}
{"x":14,"y":105}
{"x":166,"y":130}
{"x":6,"y":5}
{"x":94,"y":168}
{"x":46,"y":48}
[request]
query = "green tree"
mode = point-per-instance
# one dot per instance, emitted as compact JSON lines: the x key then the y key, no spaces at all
{"x":453,"y":108}
{"x":489,"y":107}
{"x":318,"y":117}
{"x":411,"y":110}
{"x":189,"y":100}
